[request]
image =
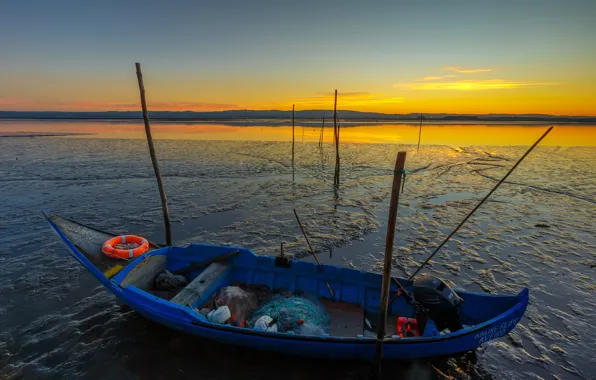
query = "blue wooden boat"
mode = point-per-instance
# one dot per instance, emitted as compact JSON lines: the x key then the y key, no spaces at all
{"x":484,"y":317}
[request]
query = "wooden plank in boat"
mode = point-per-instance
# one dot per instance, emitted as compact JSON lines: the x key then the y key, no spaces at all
{"x":144,"y":273}
{"x":346,"y":319}
{"x":202,"y":282}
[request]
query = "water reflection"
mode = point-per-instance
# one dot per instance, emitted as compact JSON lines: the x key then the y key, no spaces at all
{"x":432,"y":134}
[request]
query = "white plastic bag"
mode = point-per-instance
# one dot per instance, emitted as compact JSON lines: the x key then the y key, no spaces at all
{"x":219,"y":315}
{"x":265,"y":323}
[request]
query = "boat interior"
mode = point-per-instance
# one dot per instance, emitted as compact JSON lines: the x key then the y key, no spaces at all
{"x":355,"y":299}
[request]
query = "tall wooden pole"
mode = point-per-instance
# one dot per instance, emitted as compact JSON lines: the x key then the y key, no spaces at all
{"x":336,"y":136}
{"x":292,"y":134}
{"x":335,"y":116}
{"x":395,"y":190}
{"x":162,"y":193}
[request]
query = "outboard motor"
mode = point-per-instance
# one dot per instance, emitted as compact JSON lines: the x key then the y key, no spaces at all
{"x":441,"y":302}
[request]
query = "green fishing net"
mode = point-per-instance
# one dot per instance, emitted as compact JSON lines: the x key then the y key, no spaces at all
{"x":293,"y":313}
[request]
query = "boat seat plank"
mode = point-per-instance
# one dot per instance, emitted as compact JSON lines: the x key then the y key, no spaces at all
{"x":200,"y":284}
{"x":143,"y":275}
{"x":347,"y":319}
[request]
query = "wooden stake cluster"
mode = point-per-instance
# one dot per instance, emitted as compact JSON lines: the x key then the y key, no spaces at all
{"x":162,"y":193}
{"x":322,"y":132}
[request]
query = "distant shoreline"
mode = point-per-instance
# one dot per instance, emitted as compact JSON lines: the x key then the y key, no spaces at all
{"x":315,"y":116}
{"x":14,"y":135}
{"x":286,"y":121}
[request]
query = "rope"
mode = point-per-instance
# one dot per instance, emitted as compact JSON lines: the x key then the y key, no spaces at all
{"x":403,"y":182}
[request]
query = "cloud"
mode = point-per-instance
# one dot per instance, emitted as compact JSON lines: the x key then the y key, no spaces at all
{"x":439,"y":77}
{"x":345,"y":99}
{"x":20,"y":104}
{"x":153,"y":106}
{"x":469,"y":85}
{"x":458,"y":69}
{"x":358,"y":94}
{"x":8,"y":102}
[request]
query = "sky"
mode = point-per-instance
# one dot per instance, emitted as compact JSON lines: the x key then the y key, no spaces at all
{"x":481,"y":56}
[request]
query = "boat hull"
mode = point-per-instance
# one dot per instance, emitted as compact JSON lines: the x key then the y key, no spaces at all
{"x":186,"y":320}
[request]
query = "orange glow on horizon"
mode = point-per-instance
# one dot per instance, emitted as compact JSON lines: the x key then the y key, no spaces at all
{"x":450,"y":89}
{"x":556,"y":105}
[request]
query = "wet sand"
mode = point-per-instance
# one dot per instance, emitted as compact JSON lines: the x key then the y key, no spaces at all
{"x":537,"y":231}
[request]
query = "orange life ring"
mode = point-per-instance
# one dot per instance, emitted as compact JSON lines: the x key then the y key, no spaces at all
{"x":109,"y":250}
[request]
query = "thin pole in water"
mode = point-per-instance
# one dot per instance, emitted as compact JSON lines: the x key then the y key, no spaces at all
{"x":312,"y":251}
{"x":480,"y":204}
{"x":162,"y":193}
{"x":389,"y":240}
{"x":419,"y":134}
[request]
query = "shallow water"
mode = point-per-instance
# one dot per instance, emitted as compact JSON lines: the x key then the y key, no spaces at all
{"x":538,"y":231}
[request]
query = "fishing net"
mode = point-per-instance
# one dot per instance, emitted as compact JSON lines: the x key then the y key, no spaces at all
{"x":126,"y":246}
{"x":293,"y":313}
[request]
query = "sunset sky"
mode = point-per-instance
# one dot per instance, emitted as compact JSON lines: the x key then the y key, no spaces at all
{"x":480,"y":56}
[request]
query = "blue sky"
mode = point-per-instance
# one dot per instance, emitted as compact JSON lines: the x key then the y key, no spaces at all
{"x":269,"y":54}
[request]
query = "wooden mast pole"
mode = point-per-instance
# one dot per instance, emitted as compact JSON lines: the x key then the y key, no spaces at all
{"x":162,"y":193}
{"x":389,"y":240}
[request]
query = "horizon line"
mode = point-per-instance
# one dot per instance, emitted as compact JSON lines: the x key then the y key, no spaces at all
{"x":370,"y":113}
